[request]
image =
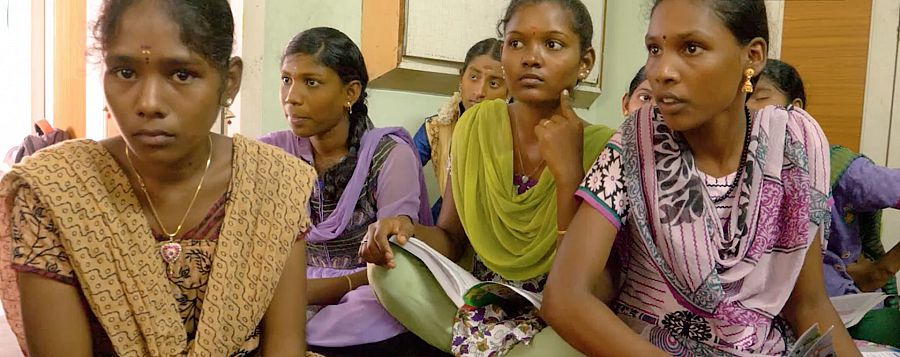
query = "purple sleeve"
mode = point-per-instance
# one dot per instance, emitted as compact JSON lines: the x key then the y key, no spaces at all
{"x":275,"y":138}
{"x":398,"y":187}
{"x":867,"y":187}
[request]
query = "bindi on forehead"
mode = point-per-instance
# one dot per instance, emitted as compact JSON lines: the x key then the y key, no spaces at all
{"x":146,"y":52}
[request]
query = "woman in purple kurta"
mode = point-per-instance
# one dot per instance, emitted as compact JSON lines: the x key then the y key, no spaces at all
{"x":364,"y":174}
{"x":861,"y":190}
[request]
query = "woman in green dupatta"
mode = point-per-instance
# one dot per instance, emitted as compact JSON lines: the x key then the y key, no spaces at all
{"x":500,"y":201}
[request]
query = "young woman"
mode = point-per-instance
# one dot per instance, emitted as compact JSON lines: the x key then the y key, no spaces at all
{"x":779,"y":84}
{"x":639,"y":93}
{"x":480,"y":79}
{"x":167,"y":240}
{"x":860,"y":190}
{"x":716,"y":216}
{"x":514,"y":171}
{"x":364,"y":174}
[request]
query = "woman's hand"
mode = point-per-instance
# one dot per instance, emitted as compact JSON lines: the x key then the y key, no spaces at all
{"x":868,"y":275}
{"x":375,"y":247}
{"x":561,"y":141}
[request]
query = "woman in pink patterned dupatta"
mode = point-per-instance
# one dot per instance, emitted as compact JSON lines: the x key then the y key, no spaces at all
{"x":716,"y":217}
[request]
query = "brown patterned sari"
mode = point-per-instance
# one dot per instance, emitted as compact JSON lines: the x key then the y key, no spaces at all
{"x":69,"y":213}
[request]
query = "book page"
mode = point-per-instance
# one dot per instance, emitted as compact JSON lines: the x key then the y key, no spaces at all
{"x":490,"y":292}
{"x":870,"y":349}
{"x":853,"y":307}
{"x":453,"y":278}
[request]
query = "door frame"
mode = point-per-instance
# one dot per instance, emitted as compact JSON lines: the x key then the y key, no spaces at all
{"x":880,"y":137}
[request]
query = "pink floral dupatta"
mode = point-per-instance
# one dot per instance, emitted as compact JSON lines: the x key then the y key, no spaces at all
{"x":782,"y":204}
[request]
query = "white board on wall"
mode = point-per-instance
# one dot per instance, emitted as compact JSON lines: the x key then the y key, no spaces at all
{"x":433,"y":28}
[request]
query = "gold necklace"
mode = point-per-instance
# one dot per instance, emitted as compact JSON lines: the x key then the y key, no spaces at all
{"x":524,"y":178}
{"x":170,"y":250}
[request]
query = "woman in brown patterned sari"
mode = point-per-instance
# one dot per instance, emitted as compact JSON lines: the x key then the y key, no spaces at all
{"x":167,"y":240}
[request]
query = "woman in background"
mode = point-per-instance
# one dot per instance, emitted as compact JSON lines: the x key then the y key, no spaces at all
{"x":481,"y":78}
{"x":365,"y":174}
{"x":638,"y":94}
{"x":855,"y":260}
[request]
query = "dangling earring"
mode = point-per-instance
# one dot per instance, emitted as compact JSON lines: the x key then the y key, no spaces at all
{"x":227,"y":114}
{"x":349,"y":107}
{"x":748,"y":85}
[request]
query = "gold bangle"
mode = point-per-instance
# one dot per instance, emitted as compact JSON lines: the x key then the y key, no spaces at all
{"x":349,"y":282}
{"x":561,"y":233}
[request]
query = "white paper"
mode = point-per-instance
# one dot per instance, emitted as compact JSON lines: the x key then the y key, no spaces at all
{"x":853,"y":307}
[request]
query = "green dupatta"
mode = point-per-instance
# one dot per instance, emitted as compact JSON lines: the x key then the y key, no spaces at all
{"x":514,"y":235}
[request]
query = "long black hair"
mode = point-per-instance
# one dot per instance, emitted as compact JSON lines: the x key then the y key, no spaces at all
{"x":333,"y":49}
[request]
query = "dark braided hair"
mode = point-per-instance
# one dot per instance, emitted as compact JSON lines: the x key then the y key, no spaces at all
{"x":333,"y":49}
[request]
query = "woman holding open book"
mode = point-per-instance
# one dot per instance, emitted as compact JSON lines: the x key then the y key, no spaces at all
{"x":716,"y":216}
{"x":514,"y":170}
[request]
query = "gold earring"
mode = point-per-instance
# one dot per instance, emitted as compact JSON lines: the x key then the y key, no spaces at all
{"x":748,"y":85}
{"x":349,"y":107}
{"x":227,"y":114}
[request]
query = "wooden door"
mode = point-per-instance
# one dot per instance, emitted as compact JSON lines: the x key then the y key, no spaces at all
{"x":828,"y":41}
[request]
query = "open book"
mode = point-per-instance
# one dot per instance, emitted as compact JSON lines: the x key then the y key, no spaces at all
{"x":853,"y":307}
{"x":813,"y":343}
{"x":461,"y":286}
{"x":869,"y":349}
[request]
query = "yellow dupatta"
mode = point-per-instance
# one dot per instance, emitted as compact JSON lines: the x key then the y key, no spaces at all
{"x":514,"y":235}
{"x":116,"y":260}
